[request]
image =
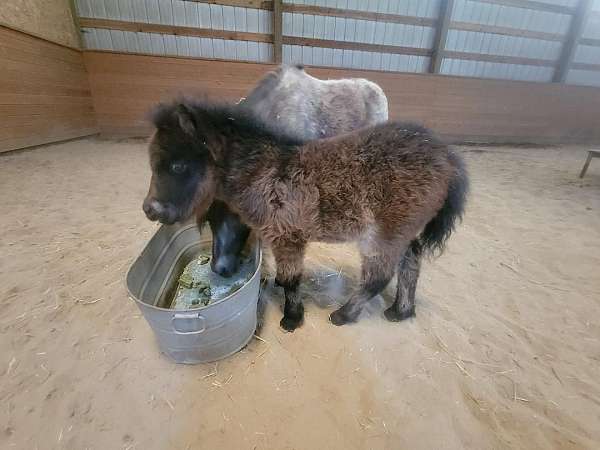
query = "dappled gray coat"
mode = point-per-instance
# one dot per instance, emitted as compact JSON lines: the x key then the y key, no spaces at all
{"x":304,"y":106}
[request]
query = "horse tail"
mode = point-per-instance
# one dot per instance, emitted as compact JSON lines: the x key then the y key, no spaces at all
{"x":439,"y":229}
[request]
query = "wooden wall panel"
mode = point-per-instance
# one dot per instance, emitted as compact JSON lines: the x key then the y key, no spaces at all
{"x":44,"y":92}
{"x":49,"y":19}
{"x":124,"y":88}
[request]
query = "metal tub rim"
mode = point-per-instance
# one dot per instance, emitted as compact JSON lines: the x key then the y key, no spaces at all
{"x":258,"y":264}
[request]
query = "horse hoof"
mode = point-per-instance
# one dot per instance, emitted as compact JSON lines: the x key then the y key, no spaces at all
{"x":393,"y":315}
{"x":340,"y":317}
{"x":289,"y":324}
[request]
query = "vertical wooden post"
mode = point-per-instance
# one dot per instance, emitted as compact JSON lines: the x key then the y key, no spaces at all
{"x":570,"y":43}
{"x":75,"y":17}
{"x":277,"y":30}
{"x":441,"y":34}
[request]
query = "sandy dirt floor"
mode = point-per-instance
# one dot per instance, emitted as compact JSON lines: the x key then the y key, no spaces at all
{"x":504,"y":351}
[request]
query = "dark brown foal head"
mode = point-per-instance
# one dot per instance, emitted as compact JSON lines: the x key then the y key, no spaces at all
{"x":183,"y":179}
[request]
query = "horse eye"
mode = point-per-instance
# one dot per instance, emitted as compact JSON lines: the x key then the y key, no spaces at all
{"x":178,"y":167}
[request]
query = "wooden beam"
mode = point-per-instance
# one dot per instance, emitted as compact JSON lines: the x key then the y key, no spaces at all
{"x":441,"y":34}
{"x":9,"y":26}
{"x":345,"y":45}
{"x":168,"y":58}
{"x":534,"y":5}
{"x":253,"y":4}
{"x":360,"y":15}
{"x":174,"y":30}
{"x":586,"y":66}
{"x":277,"y":31}
{"x":590,"y":41}
{"x":500,"y":59}
{"x":75,"y":18}
{"x":506,"y":31}
{"x":570,"y":45}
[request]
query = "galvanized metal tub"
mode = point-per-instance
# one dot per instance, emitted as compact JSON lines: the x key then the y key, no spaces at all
{"x":204,"y":334}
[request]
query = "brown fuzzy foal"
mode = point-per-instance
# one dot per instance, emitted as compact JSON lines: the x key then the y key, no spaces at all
{"x":393,"y":188}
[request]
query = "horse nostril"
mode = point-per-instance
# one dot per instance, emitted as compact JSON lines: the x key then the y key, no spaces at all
{"x":223,"y":269}
{"x":157,"y":207}
{"x":153,"y":209}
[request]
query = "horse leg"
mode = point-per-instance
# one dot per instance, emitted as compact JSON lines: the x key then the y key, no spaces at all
{"x":289,"y":259}
{"x":378,"y":267}
{"x":408,"y":275}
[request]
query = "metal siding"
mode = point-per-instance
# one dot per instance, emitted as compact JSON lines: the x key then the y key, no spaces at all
{"x":157,"y":44}
{"x":228,"y":18}
{"x":497,"y":70}
{"x":584,"y":77}
{"x":82,"y":8}
{"x":587,"y":54}
{"x":493,"y":44}
{"x":287,"y":24}
{"x":131,"y":42}
{"x":112,"y":9}
{"x":195,"y":47}
{"x":206,"y":48}
{"x":252,"y":20}
{"x":118,"y":40}
{"x":153,"y":11}
{"x":202,"y":15}
{"x":419,"y":8}
{"x":165,"y":10}
{"x":562,"y":2}
{"x":592,"y":27}
{"x":219,"y":48}
{"x":355,"y":59}
{"x":508,"y":16}
{"x":180,"y":13}
{"x":216,"y":18}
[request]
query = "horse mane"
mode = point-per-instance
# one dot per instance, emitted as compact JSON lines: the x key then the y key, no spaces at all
{"x":223,"y":117}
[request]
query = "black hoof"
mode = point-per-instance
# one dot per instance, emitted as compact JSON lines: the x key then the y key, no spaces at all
{"x":290,"y":323}
{"x":393,"y":315}
{"x":341,"y":317}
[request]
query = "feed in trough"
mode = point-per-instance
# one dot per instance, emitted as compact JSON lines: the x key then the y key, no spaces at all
{"x":198,"y":285}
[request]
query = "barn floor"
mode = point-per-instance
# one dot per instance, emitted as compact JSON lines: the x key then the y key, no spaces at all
{"x":504,"y":352}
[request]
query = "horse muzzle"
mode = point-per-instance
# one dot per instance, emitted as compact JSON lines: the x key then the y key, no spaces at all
{"x":163,"y":212}
{"x":224,"y":265}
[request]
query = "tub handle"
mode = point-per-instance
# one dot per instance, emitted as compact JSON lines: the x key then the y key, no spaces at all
{"x":188,"y":323}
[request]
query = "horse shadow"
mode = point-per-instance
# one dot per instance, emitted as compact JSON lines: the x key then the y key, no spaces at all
{"x":326,"y":289}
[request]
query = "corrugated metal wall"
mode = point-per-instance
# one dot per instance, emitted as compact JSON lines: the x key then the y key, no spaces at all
{"x":588,"y":54}
{"x":364,"y":31}
{"x":530,"y":55}
{"x":182,"y":13}
{"x":495,"y":44}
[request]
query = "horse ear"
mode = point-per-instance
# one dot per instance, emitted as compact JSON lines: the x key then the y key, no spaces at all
{"x":186,"y":119}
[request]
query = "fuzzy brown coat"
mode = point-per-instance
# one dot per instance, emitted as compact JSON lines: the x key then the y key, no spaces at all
{"x":393,"y":188}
